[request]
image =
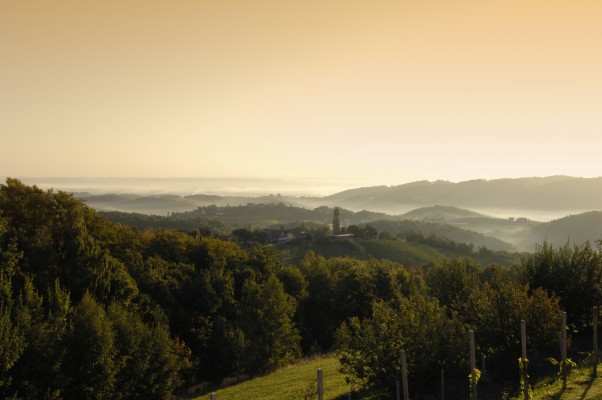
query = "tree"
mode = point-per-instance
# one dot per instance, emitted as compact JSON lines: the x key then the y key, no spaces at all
{"x":369,"y":349}
{"x":336,"y":222}
{"x":354,"y":230}
{"x":44,"y":370}
{"x":369,"y":232}
{"x":353,"y":293}
{"x":12,"y":345}
{"x":145,"y":358}
{"x":244,"y":234}
{"x":456,"y":284}
{"x":12,"y":338}
{"x":506,"y":302}
{"x":574,"y":274}
{"x":265,"y":317}
{"x":364,"y":232}
{"x":92,"y":352}
{"x":318,"y":307}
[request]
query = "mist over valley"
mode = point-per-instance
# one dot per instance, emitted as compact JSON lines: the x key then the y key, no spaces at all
{"x":520,"y":212}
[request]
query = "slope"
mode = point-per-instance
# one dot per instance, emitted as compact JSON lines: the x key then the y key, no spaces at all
{"x":573,"y":229}
{"x":290,"y":383}
{"x":559,"y":193}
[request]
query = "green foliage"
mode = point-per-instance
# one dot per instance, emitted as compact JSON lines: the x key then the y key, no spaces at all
{"x":363,"y":232}
{"x":443,"y":234}
{"x":565,"y":367}
{"x":90,"y":309}
{"x":52,"y":244}
{"x":92,"y":352}
{"x":549,"y":267}
{"x":493,"y":302}
{"x":456,"y":284}
{"x":523,"y":366}
{"x":506,"y":303}
{"x":477,"y":378}
{"x":369,"y":349}
{"x":295,"y":283}
{"x":265,"y":318}
{"x":12,"y":342}
{"x":145,"y":357}
{"x":184,"y":223}
{"x":441,"y":242}
{"x":247,"y":235}
{"x":336,"y":222}
{"x":343,"y":287}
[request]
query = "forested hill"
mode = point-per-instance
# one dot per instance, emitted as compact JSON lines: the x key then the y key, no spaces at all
{"x":217,"y":220}
{"x":523,"y":233}
{"x":95,"y":310}
{"x":169,"y":203}
{"x":274,"y":214}
{"x":440,"y":213}
{"x":522,"y":197}
{"x":572,"y":229}
{"x":459,"y":225}
{"x":551,"y":193}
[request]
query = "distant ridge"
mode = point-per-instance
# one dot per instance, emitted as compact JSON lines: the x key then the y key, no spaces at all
{"x":570,"y":230}
{"x":440,"y":213}
{"x":548,"y":193}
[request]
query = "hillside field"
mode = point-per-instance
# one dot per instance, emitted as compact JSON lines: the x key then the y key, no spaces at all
{"x":290,"y":383}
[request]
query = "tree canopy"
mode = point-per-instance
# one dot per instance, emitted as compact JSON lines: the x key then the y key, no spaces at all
{"x":94,"y":309}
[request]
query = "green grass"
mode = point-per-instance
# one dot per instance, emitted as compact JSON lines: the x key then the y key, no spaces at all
{"x":296,"y":381}
{"x":293,"y":252}
{"x":580,"y":386}
{"x":290,"y":383}
{"x":408,"y":254}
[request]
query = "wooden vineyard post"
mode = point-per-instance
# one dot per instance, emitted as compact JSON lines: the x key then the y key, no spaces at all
{"x":525,"y":377}
{"x":595,"y":350}
{"x":484,"y":377}
{"x":563,"y":354}
{"x":404,"y":376}
{"x":320,"y":384}
{"x":442,"y":384}
{"x":473,"y":367}
{"x":213,"y":396}
{"x":397,"y":391}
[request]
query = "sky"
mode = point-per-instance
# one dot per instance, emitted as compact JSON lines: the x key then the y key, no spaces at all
{"x":371,"y":92}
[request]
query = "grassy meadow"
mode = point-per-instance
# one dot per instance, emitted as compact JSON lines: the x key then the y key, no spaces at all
{"x":293,"y":382}
{"x":298,"y":382}
{"x":580,"y":386}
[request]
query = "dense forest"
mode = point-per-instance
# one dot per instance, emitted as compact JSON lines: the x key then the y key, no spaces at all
{"x":92,"y":309}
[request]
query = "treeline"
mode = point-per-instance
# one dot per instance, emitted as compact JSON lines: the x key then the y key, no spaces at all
{"x":197,"y":224}
{"x":441,"y":243}
{"x":451,"y":232}
{"x":91,"y":309}
{"x":433,"y":330}
{"x":268,"y":214}
{"x":95,"y":310}
{"x":463,"y":296}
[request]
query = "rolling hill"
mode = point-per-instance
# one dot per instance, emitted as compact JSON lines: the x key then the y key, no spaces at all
{"x":573,"y":229}
{"x":469,"y":211}
{"x":555,"y":193}
{"x":523,"y":233}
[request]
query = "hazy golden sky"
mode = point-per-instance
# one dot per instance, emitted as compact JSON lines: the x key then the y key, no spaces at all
{"x":379,"y":91}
